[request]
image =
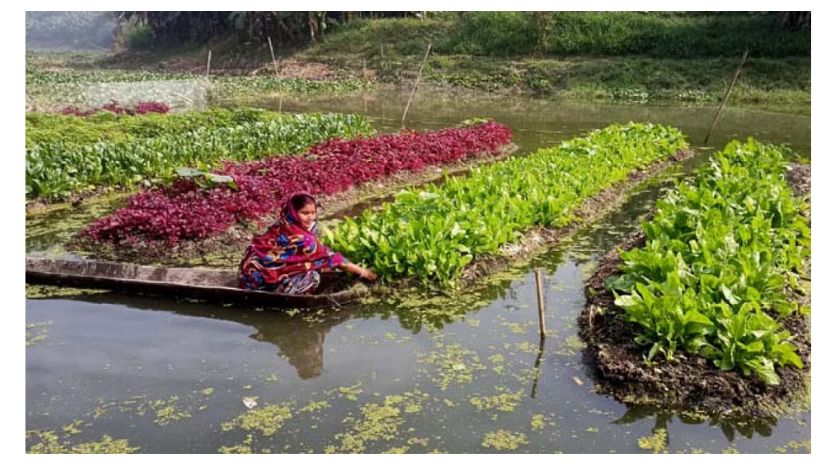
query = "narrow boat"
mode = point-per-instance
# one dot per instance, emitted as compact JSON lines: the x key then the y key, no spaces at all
{"x":210,"y":284}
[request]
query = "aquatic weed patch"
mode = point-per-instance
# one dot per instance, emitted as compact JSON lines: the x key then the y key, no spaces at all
{"x":37,"y":332}
{"x":504,"y":402}
{"x":377,"y":422}
{"x":266,"y":420}
{"x":504,"y":440}
{"x":433,"y":232}
{"x":454,"y":364}
{"x":51,"y":443}
{"x":186,"y":211}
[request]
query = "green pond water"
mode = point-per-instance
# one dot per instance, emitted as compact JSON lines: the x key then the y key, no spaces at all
{"x":413,"y":373}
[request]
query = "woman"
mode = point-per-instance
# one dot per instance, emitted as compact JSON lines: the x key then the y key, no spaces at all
{"x":288,"y":258}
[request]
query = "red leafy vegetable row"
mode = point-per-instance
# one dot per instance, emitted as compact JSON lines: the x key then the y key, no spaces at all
{"x":114,"y":107}
{"x":185,"y":211}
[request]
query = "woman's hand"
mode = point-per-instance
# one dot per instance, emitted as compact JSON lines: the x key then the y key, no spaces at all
{"x":368,"y":274}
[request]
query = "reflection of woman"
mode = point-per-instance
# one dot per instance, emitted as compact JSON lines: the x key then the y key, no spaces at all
{"x":288,"y":258}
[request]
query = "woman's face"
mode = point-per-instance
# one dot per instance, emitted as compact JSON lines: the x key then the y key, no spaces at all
{"x":306,"y":215}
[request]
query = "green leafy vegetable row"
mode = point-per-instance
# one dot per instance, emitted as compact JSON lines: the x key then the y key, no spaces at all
{"x":719,"y":254}
{"x":43,"y":128}
{"x":56,"y":169}
{"x":434,"y":232}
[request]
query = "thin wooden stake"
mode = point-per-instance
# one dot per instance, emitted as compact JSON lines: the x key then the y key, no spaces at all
{"x":536,"y":367}
{"x":272,"y":51}
{"x":277,"y":74}
{"x":208,"y":64}
{"x":727,"y":94}
{"x":540,"y":291}
{"x":415,"y":86}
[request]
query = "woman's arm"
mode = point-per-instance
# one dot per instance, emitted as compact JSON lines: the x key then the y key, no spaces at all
{"x":365,"y":273}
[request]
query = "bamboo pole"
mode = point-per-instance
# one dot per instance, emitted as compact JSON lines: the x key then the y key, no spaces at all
{"x":415,"y":86}
{"x":277,"y":75}
{"x":208,"y":63}
{"x":540,"y":292}
{"x":536,"y":368}
{"x":725,"y":99}
{"x":271,"y":50}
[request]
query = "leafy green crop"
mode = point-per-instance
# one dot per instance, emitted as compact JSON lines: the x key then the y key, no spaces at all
{"x":152,"y":150}
{"x":432,"y":233}
{"x":718,"y":254}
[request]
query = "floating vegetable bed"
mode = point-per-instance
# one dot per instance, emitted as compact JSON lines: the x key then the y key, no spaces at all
{"x":433,"y":233}
{"x":66,"y":154}
{"x":705,"y":306}
{"x":197,"y":208}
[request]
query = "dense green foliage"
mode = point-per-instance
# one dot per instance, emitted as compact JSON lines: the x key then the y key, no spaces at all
{"x":672,"y":35}
{"x":719,"y":255}
{"x":566,"y":33}
{"x":433,"y":232}
{"x":129,"y":151}
{"x":42,"y":128}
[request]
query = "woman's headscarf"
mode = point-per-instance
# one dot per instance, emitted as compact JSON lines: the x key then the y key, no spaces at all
{"x":285,"y":249}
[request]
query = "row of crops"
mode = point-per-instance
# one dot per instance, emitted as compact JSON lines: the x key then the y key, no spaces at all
{"x":722,"y":256}
{"x":50,"y":88}
{"x":188,"y":210}
{"x":432,"y":233}
{"x":66,"y":154}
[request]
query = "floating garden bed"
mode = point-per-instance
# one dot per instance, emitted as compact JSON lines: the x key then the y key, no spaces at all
{"x":705,"y":309}
{"x":436,"y":233}
{"x":66,"y":155}
{"x":186,"y":211}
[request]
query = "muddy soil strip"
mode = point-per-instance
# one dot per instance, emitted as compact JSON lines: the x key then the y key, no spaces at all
{"x":689,"y":383}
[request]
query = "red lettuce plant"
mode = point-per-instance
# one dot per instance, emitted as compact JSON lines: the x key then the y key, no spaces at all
{"x":185,"y":211}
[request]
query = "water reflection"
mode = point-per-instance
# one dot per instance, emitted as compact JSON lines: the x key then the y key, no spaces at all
{"x":299,"y":338}
{"x":745,"y":427}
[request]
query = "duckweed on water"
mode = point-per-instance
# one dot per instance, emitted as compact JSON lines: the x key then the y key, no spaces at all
{"x":794,"y":446}
{"x":537,"y":422}
{"x":504,"y":440}
{"x":398,"y":450}
{"x":266,"y":420}
{"x":351,"y":392}
{"x":37,"y":332}
{"x":378,"y":422}
{"x":167,"y":411}
{"x":51,"y":444}
{"x":657,"y":442}
{"x":455,"y":364}
{"x":237,"y":449}
{"x":504,"y":402}
{"x":572,"y":345}
{"x":38,"y":291}
{"x":516,"y":328}
{"x":314,"y":406}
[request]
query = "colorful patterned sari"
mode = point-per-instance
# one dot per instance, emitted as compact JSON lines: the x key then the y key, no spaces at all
{"x":286,"y":258}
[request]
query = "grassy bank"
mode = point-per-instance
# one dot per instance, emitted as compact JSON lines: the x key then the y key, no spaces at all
{"x":617,"y":57}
